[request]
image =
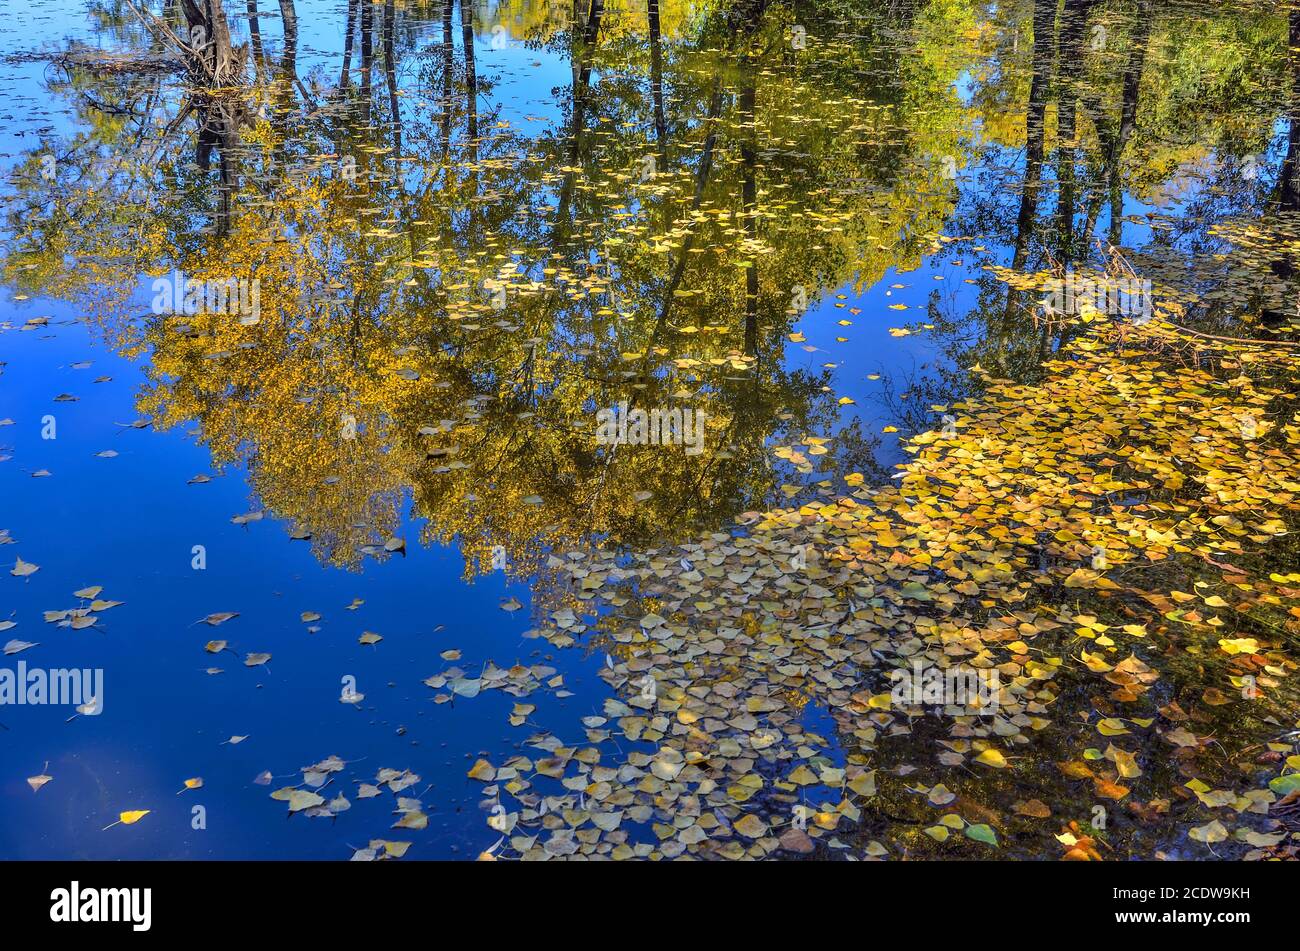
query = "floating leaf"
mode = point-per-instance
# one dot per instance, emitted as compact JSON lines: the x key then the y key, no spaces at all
{"x":1209,"y":833}
{"x":24,"y":569}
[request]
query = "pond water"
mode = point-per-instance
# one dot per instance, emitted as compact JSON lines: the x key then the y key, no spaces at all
{"x":437,"y":246}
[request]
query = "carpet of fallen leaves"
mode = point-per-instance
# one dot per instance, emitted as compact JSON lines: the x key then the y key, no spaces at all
{"x":1097,"y":539}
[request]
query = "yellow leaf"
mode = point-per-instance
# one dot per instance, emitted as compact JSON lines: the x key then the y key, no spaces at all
{"x":1111,"y":726}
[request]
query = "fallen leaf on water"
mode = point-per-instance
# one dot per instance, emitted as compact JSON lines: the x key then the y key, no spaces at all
{"x":1111,"y":726}
{"x":1285,"y":785}
{"x":128,"y":818}
{"x":298,"y":799}
{"x":941,"y":795}
{"x":1209,"y":833}
{"x":24,"y":569}
{"x":1034,"y":808}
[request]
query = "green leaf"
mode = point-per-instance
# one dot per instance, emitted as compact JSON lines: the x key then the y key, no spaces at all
{"x":1285,"y":785}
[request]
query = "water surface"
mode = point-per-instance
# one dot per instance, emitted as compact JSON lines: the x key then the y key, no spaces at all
{"x":469,"y":230}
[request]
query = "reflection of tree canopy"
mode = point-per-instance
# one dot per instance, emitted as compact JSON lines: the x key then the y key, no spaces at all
{"x":386,"y":225}
{"x":1088,"y":111}
{"x":653,"y":245}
